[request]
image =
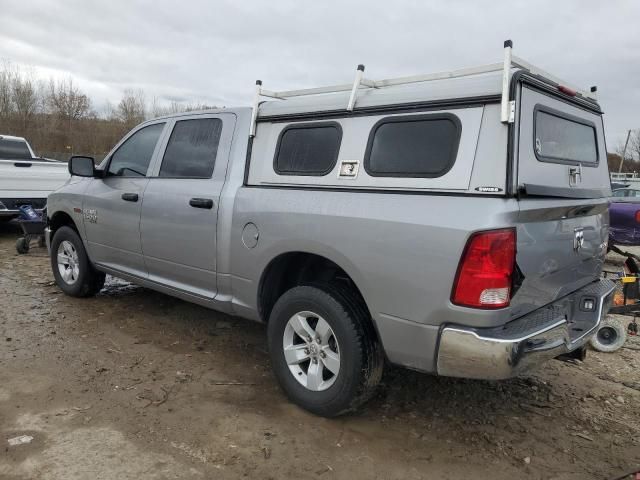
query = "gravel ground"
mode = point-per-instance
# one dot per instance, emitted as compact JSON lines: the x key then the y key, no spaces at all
{"x":133,"y":384}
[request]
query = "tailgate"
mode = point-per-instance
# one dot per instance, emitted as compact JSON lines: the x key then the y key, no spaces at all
{"x":24,"y":178}
{"x":563,"y":220}
{"x":561,"y":247}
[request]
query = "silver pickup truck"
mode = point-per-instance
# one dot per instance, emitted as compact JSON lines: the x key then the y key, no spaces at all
{"x":453,"y":223}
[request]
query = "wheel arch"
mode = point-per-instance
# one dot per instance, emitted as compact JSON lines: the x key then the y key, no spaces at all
{"x":299,"y":267}
{"x":61,"y":219}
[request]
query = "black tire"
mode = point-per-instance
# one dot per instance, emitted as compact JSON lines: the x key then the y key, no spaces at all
{"x":22,"y":245}
{"x":89,"y":280}
{"x":610,"y":337}
{"x":361,"y":358}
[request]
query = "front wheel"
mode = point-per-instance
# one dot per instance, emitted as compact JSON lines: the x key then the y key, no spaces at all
{"x":72,"y":270}
{"x":323,"y":349}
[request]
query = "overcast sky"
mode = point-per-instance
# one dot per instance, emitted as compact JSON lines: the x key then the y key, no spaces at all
{"x":213,"y":51}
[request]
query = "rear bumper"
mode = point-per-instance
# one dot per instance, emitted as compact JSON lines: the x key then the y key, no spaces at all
{"x":10,"y":207}
{"x":502,"y":352}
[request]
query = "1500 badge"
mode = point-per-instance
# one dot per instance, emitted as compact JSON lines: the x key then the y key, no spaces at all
{"x":90,"y":215}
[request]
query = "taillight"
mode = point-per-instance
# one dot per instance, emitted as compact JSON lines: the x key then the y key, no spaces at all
{"x":485,"y":270}
{"x":638,"y":216}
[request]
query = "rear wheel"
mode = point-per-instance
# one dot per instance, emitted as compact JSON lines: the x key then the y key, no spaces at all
{"x":610,"y":336}
{"x":72,"y":270}
{"x":323,"y":350}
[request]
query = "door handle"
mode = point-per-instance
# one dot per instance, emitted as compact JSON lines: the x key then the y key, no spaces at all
{"x":201,"y":203}
{"x":130,"y":197}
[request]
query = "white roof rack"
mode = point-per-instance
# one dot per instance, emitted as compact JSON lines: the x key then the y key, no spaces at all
{"x":509,"y":62}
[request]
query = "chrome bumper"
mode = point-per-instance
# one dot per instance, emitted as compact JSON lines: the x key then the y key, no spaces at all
{"x":498,"y":353}
{"x":47,"y":238}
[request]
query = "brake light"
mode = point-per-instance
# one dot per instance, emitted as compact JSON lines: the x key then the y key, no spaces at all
{"x":638,"y":216}
{"x":486,"y":269}
{"x":567,"y":91}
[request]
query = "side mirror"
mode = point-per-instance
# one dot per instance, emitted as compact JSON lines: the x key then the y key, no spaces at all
{"x":81,"y":166}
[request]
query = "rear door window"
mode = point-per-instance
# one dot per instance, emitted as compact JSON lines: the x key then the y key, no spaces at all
{"x":192,"y":149}
{"x":132,"y":158}
{"x":564,"y":139}
{"x":308,"y":149}
{"x":422,"y":146}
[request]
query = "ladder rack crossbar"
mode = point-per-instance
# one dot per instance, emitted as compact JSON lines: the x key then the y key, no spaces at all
{"x":465,"y":72}
{"x":386,"y":82}
{"x":307,"y":91}
{"x":389,"y":82}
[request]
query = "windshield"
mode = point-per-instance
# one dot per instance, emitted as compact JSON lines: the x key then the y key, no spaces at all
{"x":14,"y":150}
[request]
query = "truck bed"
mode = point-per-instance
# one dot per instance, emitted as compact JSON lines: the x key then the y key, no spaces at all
{"x":29,"y":181}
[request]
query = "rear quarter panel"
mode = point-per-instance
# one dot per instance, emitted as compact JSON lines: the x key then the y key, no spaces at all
{"x":402,"y":250}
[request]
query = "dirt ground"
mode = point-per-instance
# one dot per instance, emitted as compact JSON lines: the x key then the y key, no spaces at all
{"x":133,"y":384}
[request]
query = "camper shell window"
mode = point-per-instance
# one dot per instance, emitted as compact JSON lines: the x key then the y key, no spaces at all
{"x":562,"y":138}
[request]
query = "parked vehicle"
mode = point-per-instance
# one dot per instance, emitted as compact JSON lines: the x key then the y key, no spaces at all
{"x":24,"y":178}
{"x":624,"y":213}
{"x":617,"y":185}
{"x":449,"y":223}
{"x":625,"y":193}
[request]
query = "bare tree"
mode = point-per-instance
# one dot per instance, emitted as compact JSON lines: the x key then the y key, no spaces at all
{"x":159,"y":109}
{"x":633,"y":149}
{"x":67,"y":101}
{"x":626,"y":160}
{"x":68,"y":105}
{"x":6,"y":102}
{"x":58,"y":119}
{"x":25,"y":98}
{"x":131,"y":109}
